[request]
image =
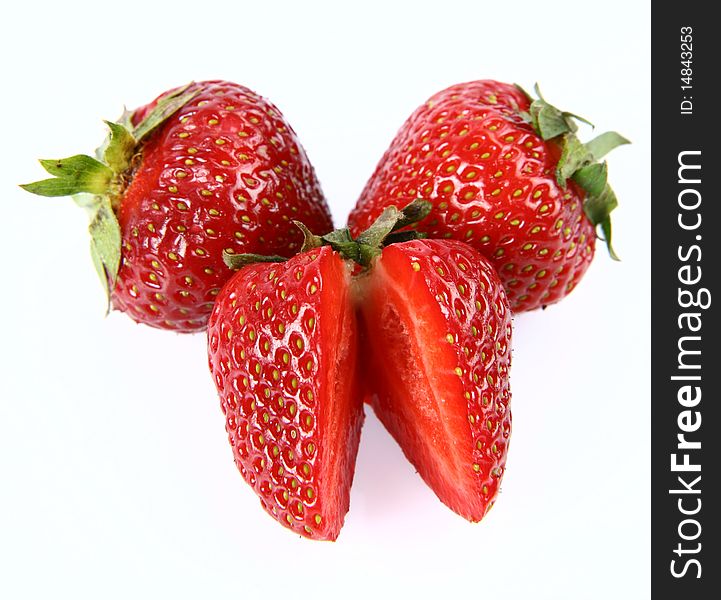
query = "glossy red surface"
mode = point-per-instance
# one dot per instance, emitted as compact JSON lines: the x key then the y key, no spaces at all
{"x":492,"y":183}
{"x":282,"y":349}
{"x":226,"y":171}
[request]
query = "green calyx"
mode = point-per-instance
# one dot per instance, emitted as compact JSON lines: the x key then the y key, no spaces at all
{"x":98,"y":183}
{"x":578,"y":161}
{"x":363,"y":249}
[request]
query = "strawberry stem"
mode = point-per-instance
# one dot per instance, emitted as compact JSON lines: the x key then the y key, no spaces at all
{"x":362,"y":250}
{"x":370,"y":242}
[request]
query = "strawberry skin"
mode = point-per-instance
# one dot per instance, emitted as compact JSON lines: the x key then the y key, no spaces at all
{"x":436,"y":331}
{"x":283,"y":351}
{"x":425,"y":322}
{"x":220,"y":169}
{"x":474,"y":152}
{"x":225,"y":172}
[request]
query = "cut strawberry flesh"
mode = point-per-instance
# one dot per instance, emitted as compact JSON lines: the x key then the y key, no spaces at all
{"x":413,"y":382}
{"x":341,"y":414}
{"x":413,"y":396}
{"x":427,"y":324}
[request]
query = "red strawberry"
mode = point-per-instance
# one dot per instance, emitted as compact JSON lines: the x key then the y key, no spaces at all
{"x":282,"y":350}
{"x":506,"y":174}
{"x":437,"y":332}
{"x":436,"y":353}
{"x":208,"y":167}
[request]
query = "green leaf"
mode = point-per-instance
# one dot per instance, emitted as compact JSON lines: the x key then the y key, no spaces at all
{"x":73,"y":175}
{"x":415,"y":211}
{"x":120,"y":148}
{"x":537,"y":89}
{"x":310,"y":240}
{"x":381,"y":227}
{"x":49,"y":187}
{"x":337,"y":236}
{"x":341,"y":241}
{"x":238,"y":261}
{"x":548,"y":121}
{"x":599,"y":207}
{"x":579,"y":161}
{"x":370,"y":242}
{"x":525,"y":116}
{"x":105,"y":244}
{"x":600,"y":199}
{"x":606,"y":229}
{"x":598,"y":210}
{"x":372,"y":239}
{"x":366,"y":254}
{"x":404,"y":236}
{"x":592,"y":178}
{"x":604,"y":143}
{"x":569,"y":116}
{"x":574,"y":156}
{"x":165,"y":107}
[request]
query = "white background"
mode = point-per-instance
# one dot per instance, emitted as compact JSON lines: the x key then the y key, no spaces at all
{"x":116,"y":480}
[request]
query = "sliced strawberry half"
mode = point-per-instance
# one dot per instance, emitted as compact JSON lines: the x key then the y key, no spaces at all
{"x":283,"y":354}
{"x":434,"y":336}
{"x":436,"y":331}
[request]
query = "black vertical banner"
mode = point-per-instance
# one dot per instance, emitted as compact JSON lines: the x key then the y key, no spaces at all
{"x":686,"y":298}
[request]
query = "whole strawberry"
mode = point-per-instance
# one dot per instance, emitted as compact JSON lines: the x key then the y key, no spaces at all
{"x":506,"y":174}
{"x":424,"y":324}
{"x":206,"y":168}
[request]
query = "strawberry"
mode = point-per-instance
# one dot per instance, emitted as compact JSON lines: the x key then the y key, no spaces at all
{"x":437,"y":332}
{"x":204,"y":168}
{"x":425,"y":324}
{"x":506,"y":174}
{"x":282,"y":350}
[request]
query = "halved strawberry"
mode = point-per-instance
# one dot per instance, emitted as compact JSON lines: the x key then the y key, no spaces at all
{"x":283,"y":350}
{"x":436,"y":332}
{"x":283,"y":353}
